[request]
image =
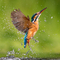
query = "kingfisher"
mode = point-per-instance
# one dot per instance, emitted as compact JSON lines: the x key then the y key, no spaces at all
{"x":23,"y":24}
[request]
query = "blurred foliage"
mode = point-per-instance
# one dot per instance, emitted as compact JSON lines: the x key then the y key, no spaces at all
{"x":48,"y":35}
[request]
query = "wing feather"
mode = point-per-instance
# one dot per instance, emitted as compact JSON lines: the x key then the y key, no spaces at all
{"x":20,"y":21}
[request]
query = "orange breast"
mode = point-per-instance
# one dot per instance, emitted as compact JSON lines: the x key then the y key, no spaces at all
{"x":32,"y":30}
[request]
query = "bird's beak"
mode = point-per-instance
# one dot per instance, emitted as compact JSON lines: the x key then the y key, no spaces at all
{"x":41,"y":11}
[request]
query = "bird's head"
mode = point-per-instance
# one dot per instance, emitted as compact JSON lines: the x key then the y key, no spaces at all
{"x":36,"y":15}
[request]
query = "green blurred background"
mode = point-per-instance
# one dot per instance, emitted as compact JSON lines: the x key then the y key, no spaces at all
{"x":48,"y":35}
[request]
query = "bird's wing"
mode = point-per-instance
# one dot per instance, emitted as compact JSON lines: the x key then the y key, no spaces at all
{"x":20,"y":21}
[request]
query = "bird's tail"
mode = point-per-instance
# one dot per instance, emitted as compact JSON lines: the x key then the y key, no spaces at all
{"x":25,"y":42}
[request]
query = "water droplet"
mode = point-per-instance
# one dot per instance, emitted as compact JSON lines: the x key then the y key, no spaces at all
{"x":57,"y":20}
{"x":27,"y":52}
{"x":48,"y":35}
{"x":45,"y":20}
{"x":3,"y":27}
{"x":24,"y":54}
{"x":52,"y":17}
{"x":18,"y":49}
{"x":21,"y":43}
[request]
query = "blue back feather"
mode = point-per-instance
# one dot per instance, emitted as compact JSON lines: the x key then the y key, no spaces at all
{"x":32,"y":18}
{"x":25,"y":40}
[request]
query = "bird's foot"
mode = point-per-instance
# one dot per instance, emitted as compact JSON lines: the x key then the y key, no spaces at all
{"x":35,"y":40}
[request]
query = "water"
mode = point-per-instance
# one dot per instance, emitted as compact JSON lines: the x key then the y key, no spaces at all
{"x":16,"y":58}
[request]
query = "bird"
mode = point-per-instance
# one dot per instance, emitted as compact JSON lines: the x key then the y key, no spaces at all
{"x":23,"y":24}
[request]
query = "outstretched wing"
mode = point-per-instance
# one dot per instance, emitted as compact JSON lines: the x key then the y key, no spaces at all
{"x":20,"y":21}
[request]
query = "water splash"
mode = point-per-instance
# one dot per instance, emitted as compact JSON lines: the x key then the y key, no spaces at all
{"x":45,"y":20}
{"x":10,"y":52}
